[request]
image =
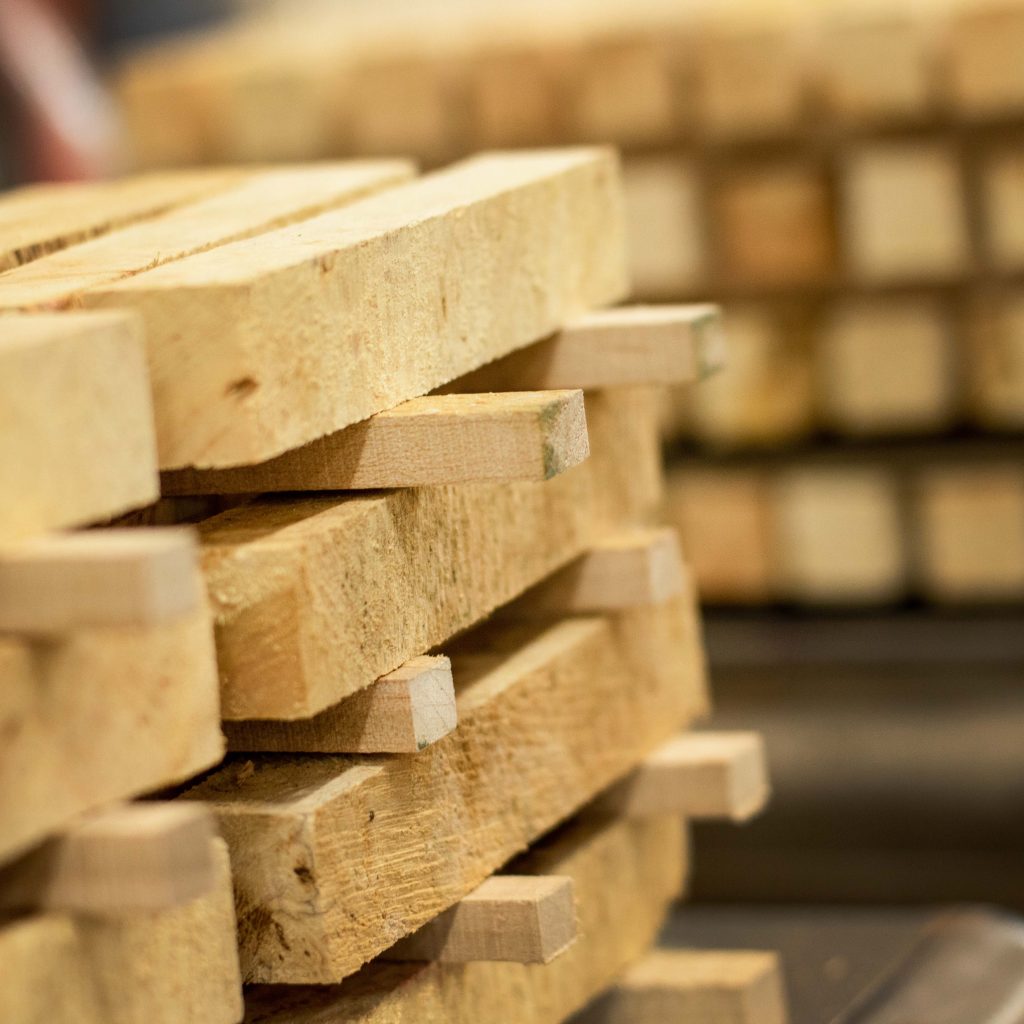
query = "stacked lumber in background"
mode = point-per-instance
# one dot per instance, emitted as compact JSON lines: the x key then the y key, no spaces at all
{"x":455,"y":652}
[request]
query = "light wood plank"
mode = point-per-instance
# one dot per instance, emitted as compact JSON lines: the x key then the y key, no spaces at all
{"x":699,"y":775}
{"x":401,"y":713}
{"x":396,"y":294}
{"x":1002,"y":188}
{"x":984,"y":42}
{"x":521,"y":919}
{"x":67,"y":464}
{"x":136,"y":857}
{"x":995,"y":336}
{"x":111,"y":577}
{"x":443,"y":439}
{"x":595,"y":695}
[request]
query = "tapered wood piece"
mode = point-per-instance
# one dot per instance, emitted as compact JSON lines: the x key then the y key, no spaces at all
{"x":445,"y":439}
{"x":699,"y":775}
{"x":99,"y":578}
{"x":137,"y":857}
{"x":401,"y":713}
{"x":517,"y":918}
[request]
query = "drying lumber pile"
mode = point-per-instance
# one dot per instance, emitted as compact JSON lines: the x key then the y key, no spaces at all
{"x":384,"y":474}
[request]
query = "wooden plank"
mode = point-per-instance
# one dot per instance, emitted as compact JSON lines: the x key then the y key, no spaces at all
{"x":102,"y":714}
{"x":260,"y":202}
{"x":443,"y":274}
{"x":698,"y":775}
{"x":995,"y":359}
{"x":315,"y":599}
{"x":168,"y":967}
{"x":630,"y":345}
{"x":984,"y":42}
{"x":67,"y":465}
{"x":129,"y":858}
{"x":521,"y":919}
{"x":110,"y":577}
{"x":595,"y":695}
{"x":728,"y":986}
{"x":625,"y":873}
{"x":1002,"y":190}
{"x":440,"y":439}
{"x":401,"y":713}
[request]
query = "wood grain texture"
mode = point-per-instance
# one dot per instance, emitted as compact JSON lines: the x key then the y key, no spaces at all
{"x":442,"y":275}
{"x":102,"y":714}
{"x":170,"y":967}
{"x":116,"y":577}
{"x":544,"y":725}
{"x":625,"y":875}
{"x":401,"y":713}
{"x":520,"y":919}
{"x":67,"y":465}
{"x":316,"y":598}
{"x":443,"y":439}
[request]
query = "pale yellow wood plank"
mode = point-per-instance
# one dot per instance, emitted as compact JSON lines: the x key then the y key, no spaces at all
{"x":521,"y":919}
{"x":401,"y":713}
{"x":441,"y":439}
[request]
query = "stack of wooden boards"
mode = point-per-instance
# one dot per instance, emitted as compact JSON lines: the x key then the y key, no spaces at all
{"x":362,"y":393}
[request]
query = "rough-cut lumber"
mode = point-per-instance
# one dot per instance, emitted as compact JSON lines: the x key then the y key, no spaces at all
{"x":516,"y":918}
{"x":595,"y":695}
{"x":985,"y":73}
{"x":996,"y":359}
{"x":76,"y":421}
{"x":136,"y":857}
{"x":315,"y":599}
{"x":257,"y":203}
{"x":393,"y":296}
{"x":612,"y":348}
{"x":1002,"y":186}
{"x":695,"y":985}
{"x":102,"y":714}
{"x":401,"y":713}
{"x":172,"y":966}
{"x":116,"y":577}
{"x":699,"y":775}
{"x":625,"y":873}
{"x":441,"y":439}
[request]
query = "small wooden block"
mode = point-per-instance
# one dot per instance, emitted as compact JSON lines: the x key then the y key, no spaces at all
{"x":631,"y":345}
{"x":728,"y":987}
{"x":441,"y":439}
{"x":401,"y":713}
{"x":137,"y":857}
{"x":699,"y":775}
{"x":517,"y":918}
{"x":99,"y":578}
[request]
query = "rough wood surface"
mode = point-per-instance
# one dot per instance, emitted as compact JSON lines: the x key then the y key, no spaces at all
{"x":401,"y":713}
{"x":544,"y":725}
{"x":101,"y":714}
{"x":168,"y":967}
{"x":315,"y":599}
{"x":625,"y":875}
{"x":67,"y":464}
{"x":442,"y":439}
{"x":520,"y":919}
{"x":144,"y":856}
{"x":441,"y":275}
{"x":114,"y":577}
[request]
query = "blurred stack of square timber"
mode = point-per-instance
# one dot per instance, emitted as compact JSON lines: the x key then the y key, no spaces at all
{"x":325,"y":421}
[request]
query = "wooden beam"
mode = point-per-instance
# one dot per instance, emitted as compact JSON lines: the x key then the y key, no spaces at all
{"x":102,"y":714}
{"x":397,"y":294}
{"x":99,"y":578}
{"x":626,"y":874}
{"x":733,"y":987}
{"x":401,"y":713}
{"x":699,"y":775}
{"x":521,"y":919}
{"x":595,"y":694}
{"x":444,"y":439}
{"x":611,"y":348}
{"x":316,"y":598}
{"x":259,"y":202}
{"x":68,"y":464}
{"x":136,"y":857}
